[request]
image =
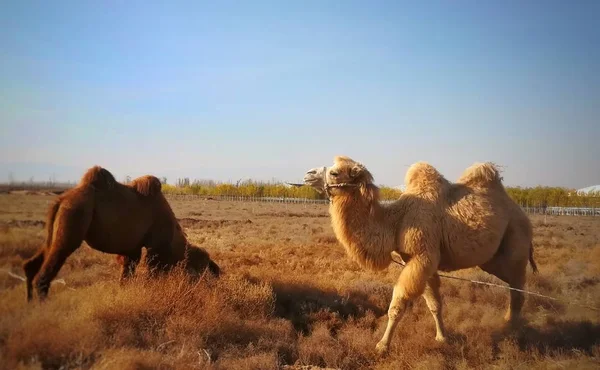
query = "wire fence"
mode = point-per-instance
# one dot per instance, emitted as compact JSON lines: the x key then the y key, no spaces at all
{"x":553,"y":211}
{"x":563,"y":211}
{"x":236,"y":198}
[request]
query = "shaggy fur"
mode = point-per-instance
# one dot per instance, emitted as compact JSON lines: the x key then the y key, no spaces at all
{"x":113,"y":218}
{"x":435,"y":225}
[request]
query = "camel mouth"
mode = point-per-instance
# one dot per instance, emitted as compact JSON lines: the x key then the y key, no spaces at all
{"x":315,"y":176}
{"x":310,"y":179}
{"x":342,"y":186}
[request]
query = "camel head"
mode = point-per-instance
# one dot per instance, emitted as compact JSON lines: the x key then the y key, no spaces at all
{"x":198,"y":261}
{"x":315,"y":178}
{"x":349,"y":176}
{"x":347,"y":171}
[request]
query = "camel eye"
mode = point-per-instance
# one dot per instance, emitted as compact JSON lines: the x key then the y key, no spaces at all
{"x":334,"y":173}
{"x":312,"y":172}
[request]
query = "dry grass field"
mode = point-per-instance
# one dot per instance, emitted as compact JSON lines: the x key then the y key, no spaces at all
{"x":288,"y":296}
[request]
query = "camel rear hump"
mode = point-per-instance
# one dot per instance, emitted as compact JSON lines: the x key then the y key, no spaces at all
{"x":147,"y":185}
{"x":481,"y":175}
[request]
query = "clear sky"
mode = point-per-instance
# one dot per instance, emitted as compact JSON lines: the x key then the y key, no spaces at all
{"x":229,"y":90}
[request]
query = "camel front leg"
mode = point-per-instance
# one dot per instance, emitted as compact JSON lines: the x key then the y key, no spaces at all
{"x":397,"y":308}
{"x":411,"y":284}
{"x":130,"y":262}
{"x":61,"y":249}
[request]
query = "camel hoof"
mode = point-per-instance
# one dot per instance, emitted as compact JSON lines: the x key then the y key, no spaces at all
{"x":512,"y":317}
{"x":514,"y":321}
{"x":381,"y":349}
{"x":440,"y":339}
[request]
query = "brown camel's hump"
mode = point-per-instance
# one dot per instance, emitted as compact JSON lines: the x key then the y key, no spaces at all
{"x":481,"y":175}
{"x":422,"y":176}
{"x":147,"y":185}
{"x":98,"y":177}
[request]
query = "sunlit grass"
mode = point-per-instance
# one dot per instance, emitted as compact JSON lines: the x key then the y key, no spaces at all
{"x":288,"y":296}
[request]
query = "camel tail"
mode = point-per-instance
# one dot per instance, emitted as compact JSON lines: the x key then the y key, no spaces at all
{"x":50,"y":222}
{"x":531,"y":260}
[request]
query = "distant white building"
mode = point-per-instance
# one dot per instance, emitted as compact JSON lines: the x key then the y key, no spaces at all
{"x":590,"y":189}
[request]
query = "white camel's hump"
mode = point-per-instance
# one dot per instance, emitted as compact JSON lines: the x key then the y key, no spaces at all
{"x":481,"y":175}
{"x":422,"y":175}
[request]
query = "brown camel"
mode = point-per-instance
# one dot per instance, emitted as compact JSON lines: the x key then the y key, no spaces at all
{"x":118,"y":219}
{"x":434,"y":225}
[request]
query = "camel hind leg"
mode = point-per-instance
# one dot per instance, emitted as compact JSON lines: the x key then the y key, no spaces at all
{"x":517,"y":299}
{"x":433,"y":299}
{"x":514,"y":276}
{"x":32,"y":267}
{"x":510,"y":266}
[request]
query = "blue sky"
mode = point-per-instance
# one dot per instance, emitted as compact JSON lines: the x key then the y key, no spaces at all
{"x":269,"y":89}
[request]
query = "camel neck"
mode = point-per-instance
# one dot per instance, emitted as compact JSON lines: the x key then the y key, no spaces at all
{"x":359,"y":224}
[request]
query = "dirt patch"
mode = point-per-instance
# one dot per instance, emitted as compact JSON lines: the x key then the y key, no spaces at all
{"x":293,"y":214}
{"x":24,"y":223}
{"x":192,"y":223}
{"x":585,"y":282}
{"x":325,"y":239}
{"x":35,"y":192}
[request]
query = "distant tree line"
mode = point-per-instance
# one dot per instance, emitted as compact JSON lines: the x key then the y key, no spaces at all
{"x":540,"y":196}
{"x":545,"y":196}
{"x":246,"y":188}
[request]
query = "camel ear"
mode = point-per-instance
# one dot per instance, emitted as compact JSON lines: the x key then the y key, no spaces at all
{"x":356,"y":171}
